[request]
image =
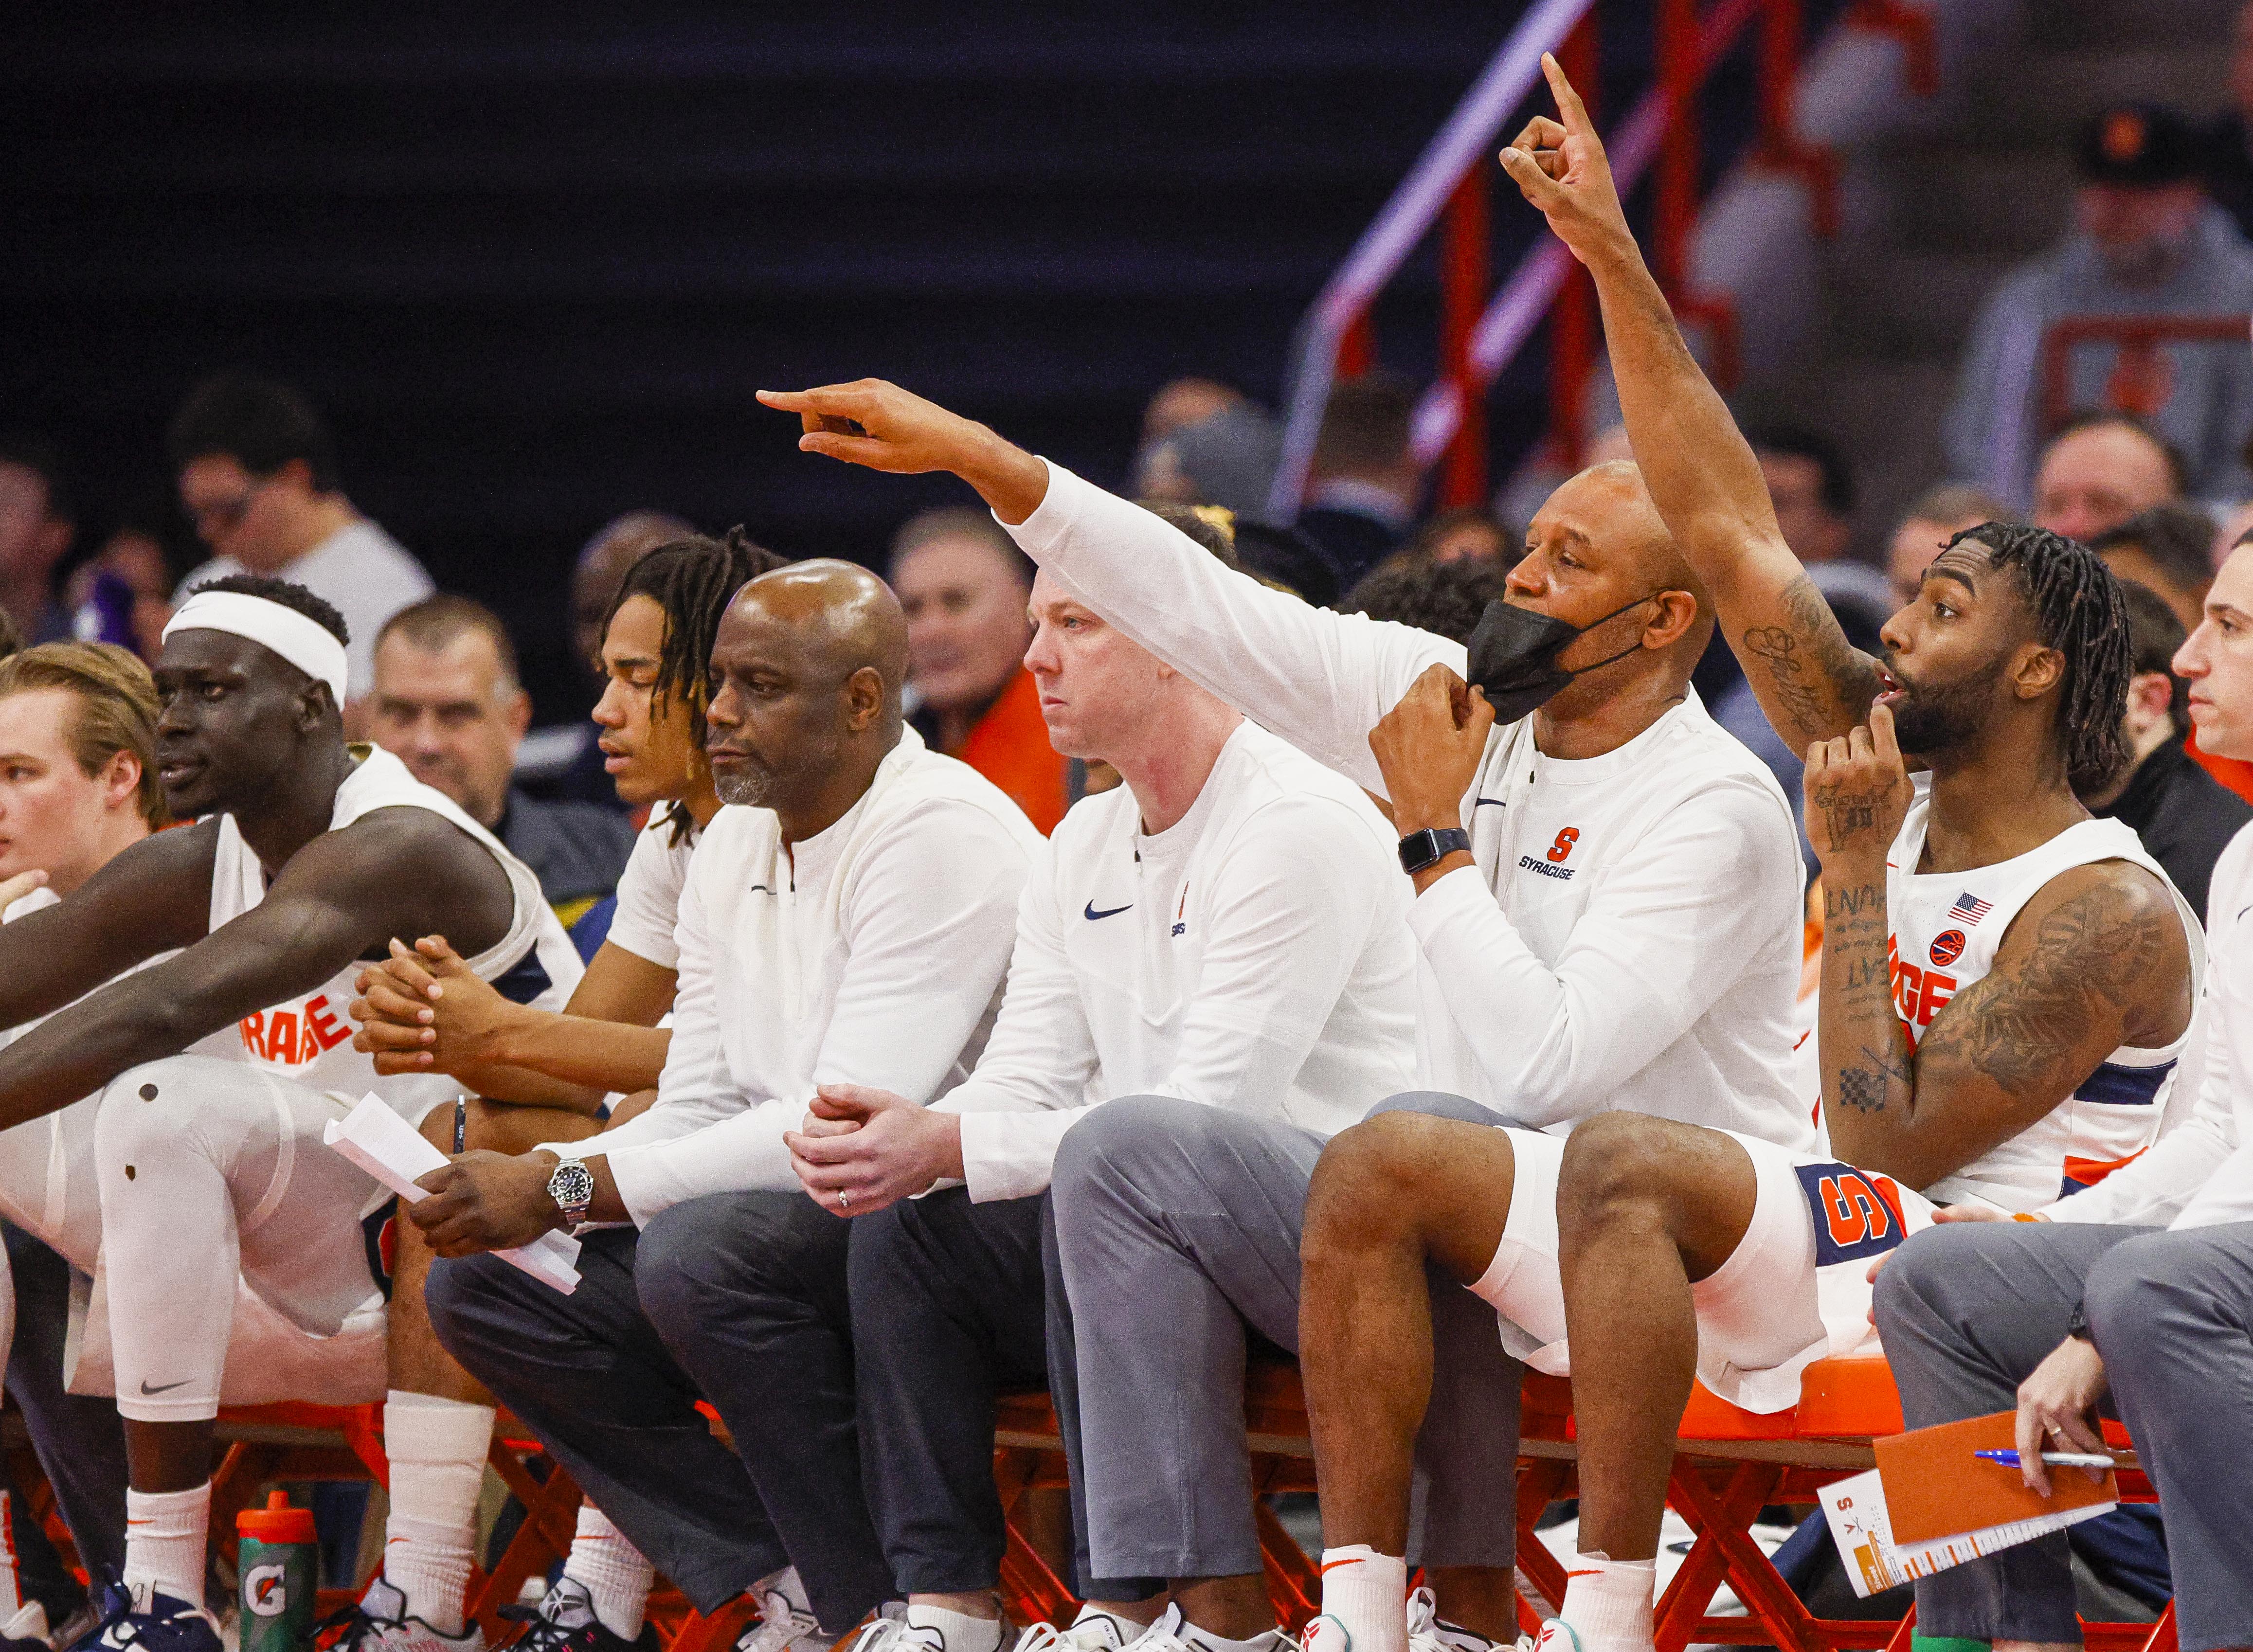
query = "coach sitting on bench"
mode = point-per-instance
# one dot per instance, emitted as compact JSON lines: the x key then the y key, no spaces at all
{"x":850,"y":926}
{"x":2132,"y":1299}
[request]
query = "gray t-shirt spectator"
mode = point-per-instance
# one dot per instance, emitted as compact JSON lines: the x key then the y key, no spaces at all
{"x":1994,"y":425}
{"x":361,"y":571}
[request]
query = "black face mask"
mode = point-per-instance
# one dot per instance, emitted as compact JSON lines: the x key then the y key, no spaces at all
{"x":1513,"y":656}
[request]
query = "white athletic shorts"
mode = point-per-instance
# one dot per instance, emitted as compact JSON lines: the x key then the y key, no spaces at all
{"x":1796,"y":1289}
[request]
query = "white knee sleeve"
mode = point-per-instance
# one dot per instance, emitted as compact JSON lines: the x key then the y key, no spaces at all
{"x":210,"y":1169}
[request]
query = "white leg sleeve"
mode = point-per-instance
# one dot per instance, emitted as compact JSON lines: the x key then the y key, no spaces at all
{"x":208,"y":1167}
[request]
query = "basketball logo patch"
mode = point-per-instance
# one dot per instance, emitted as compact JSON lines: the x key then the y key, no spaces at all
{"x":1947,"y":947}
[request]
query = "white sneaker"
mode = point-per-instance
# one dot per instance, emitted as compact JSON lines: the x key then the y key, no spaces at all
{"x":1428,"y":1631}
{"x":379,"y":1623}
{"x":1325,"y":1633}
{"x":1173,"y":1632}
{"x":890,"y":1634}
{"x":1090,"y":1632}
{"x":782,"y":1625}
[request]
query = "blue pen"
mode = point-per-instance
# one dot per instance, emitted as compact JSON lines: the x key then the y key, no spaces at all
{"x":2055,"y":1458}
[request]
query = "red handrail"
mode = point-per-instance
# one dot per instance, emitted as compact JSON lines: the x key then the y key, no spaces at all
{"x":1479,"y":335}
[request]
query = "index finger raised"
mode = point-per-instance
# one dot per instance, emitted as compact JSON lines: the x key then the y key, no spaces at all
{"x":1570,"y":109}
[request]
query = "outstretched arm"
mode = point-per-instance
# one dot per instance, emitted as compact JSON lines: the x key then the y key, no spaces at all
{"x":1701,"y":473}
{"x":2096,"y":959}
{"x":1321,"y":681}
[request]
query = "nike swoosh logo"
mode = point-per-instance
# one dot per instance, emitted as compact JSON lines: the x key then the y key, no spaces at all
{"x":1496,"y":802}
{"x":161,"y":1387}
{"x":1091,"y":914}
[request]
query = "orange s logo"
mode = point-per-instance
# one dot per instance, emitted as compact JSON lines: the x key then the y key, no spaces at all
{"x":1562,"y":846}
{"x":1854,"y":1211}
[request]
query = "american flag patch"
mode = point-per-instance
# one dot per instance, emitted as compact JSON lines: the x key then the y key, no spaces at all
{"x":1970,"y":909}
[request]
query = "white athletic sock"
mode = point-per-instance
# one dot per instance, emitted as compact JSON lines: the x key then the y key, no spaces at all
{"x":1607,"y":1603}
{"x":1368,"y":1593}
{"x":615,"y":1575}
{"x":961,"y":1632}
{"x":164,"y":1534}
{"x":438,"y":1452}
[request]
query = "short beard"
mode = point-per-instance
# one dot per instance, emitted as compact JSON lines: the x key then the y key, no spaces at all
{"x":757,"y":786}
{"x":1945,"y":717}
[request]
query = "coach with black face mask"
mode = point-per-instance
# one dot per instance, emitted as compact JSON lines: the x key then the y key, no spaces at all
{"x":1607,"y":910}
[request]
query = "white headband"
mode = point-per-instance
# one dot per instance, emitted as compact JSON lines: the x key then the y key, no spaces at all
{"x":305,"y":643}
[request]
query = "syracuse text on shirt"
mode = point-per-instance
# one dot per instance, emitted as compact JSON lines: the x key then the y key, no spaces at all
{"x":293,"y":1035}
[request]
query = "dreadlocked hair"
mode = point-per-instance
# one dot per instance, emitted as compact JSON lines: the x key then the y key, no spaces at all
{"x":692,"y":580}
{"x":2077,"y":610}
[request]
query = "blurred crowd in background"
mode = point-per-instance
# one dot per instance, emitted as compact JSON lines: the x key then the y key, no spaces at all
{"x":2153,"y":468}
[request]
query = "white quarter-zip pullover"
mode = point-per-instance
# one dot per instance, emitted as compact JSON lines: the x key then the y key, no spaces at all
{"x":870,"y":953}
{"x":1629,"y":935}
{"x":1254,"y":955}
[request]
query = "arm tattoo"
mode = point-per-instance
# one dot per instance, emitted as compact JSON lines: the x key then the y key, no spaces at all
{"x":1864,"y":1087}
{"x":2020,"y":1031}
{"x":1812,"y":669}
{"x":1860,"y":1007}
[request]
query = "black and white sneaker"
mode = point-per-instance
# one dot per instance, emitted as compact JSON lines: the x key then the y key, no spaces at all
{"x":565,"y":1621}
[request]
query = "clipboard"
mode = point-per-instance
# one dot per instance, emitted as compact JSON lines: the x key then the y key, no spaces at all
{"x":1935,"y":1487}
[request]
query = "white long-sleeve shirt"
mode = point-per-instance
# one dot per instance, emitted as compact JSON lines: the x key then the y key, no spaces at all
{"x":1629,"y":935}
{"x":2198,"y":1173}
{"x":1253,"y":955}
{"x":870,"y":953}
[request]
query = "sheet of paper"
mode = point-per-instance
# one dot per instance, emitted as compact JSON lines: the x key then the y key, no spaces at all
{"x":1856,"y":1511}
{"x":391,"y":1150}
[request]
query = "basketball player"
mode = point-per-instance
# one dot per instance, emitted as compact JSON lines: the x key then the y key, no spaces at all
{"x":217,"y":1068}
{"x":2006,"y":979}
{"x":1608,"y":916}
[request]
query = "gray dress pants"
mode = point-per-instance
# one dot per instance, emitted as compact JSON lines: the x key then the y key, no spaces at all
{"x":1967,"y":1311}
{"x":1177,"y":1246}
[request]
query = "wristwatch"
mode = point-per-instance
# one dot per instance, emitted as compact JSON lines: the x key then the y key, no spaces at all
{"x":572,"y":1186}
{"x":2077,"y":1326}
{"x":1430,"y":846}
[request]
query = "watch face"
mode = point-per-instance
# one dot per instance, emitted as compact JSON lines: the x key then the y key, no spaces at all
{"x":572,"y":1186}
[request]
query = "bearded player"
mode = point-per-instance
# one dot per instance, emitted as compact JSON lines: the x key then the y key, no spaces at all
{"x":2006,"y":981}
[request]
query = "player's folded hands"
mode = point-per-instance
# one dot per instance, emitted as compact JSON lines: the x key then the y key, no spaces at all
{"x":424,"y":1009}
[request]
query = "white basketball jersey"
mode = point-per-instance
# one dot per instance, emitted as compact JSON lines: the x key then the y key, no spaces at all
{"x":309,"y":1038}
{"x":1946,"y":928}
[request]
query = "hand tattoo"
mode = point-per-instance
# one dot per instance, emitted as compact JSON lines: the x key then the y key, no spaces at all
{"x":1845,"y":814}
